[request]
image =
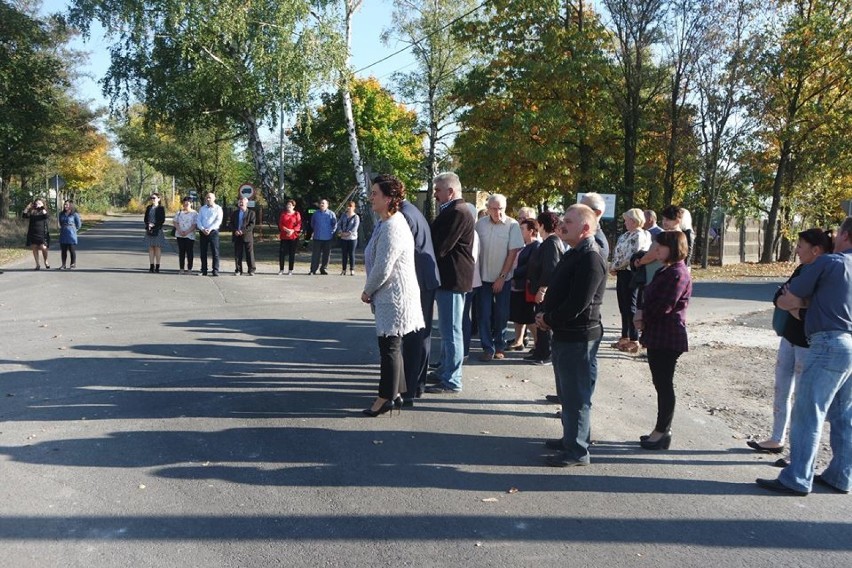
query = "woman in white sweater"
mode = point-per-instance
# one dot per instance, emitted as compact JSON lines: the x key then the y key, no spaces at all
{"x":391,"y":289}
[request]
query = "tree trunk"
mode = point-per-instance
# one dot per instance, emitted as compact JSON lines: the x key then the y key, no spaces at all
{"x":358,"y":164}
{"x":668,"y":179}
{"x":261,"y":170}
{"x":629,"y":164}
{"x":360,"y":178}
{"x":432,"y":162}
{"x":4,"y":195}
{"x":768,"y":254}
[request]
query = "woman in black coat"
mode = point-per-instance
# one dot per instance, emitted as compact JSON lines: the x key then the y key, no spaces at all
{"x":541,"y":267}
{"x":155,"y":218}
{"x":38,"y":233}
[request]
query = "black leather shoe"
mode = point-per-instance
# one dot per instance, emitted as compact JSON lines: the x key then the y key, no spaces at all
{"x":441,"y":389}
{"x":821,"y":481}
{"x":758,"y":448}
{"x":562,"y":460}
{"x":554,"y":398}
{"x":407,"y":403}
{"x":778,"y":487}
{"x":432,"y":378}
{"x":554,"y":444}
{"x":661,"y":444}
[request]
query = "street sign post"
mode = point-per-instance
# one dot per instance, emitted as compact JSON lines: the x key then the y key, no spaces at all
{"x":247,"y":191}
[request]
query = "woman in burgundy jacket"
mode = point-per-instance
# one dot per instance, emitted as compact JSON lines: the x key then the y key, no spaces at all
{"x":663,"y":324}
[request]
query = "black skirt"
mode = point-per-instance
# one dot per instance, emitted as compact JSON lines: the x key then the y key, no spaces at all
{"x":521,"y":311}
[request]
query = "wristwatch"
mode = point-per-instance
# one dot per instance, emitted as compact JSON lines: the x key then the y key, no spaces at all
{"x":502,"y":275}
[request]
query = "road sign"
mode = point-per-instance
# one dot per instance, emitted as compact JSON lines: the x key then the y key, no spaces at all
{"x":609,"y":199}
{"x":247,"y":191}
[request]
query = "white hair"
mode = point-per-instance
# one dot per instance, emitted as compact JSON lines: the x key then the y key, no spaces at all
{"x":499,"y":198}
{"x":594,"y":201}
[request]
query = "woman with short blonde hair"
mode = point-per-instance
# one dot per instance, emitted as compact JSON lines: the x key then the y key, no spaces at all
{"x":633,"y":240}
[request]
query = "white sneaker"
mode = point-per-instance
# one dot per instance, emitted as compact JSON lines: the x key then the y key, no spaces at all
{"x":290,"y":273}
{"x":280,"y":272}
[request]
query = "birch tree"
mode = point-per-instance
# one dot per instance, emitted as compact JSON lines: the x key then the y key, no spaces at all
{"x":233,"y":61}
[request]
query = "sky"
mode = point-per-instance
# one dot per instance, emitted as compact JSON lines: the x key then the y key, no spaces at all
{"x":367,"y":48}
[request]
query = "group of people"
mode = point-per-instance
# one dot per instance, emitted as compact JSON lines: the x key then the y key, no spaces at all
{"x":207,"y":221}
{"x":814,"y":320}
{"x":457,"y":261}
{"x":38,"y":233}
{"x":564,"y":276}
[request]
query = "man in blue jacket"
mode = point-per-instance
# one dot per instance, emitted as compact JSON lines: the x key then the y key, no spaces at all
{"x":323,"y":223}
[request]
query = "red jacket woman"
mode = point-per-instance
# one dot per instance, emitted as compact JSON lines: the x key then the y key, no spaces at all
{"x":289,"y":227}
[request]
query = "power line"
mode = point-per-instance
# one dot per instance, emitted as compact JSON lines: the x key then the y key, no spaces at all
{"x":442,"y":28}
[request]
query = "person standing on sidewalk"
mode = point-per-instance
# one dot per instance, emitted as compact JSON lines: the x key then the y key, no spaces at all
{"x":185,"y":222}
{"x":209,"y":221}
{"x":347,"y":230}
{"x":417,"y":345}
{"x":242,"y":224}
{"x":452,"y":240}
{"x":69,"y":224}
{"x":825,"y":387}
{"x":500,"y":242}
{"x":323,"y":223}
{"x":572,"y":310}
{"x":289,"y":227}
{"x":155,"y":218}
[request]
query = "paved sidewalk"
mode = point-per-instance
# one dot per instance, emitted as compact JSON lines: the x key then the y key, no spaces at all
{"x":166,"y":420}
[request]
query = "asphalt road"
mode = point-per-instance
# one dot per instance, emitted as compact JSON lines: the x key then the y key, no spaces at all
{"x":166,"y":420}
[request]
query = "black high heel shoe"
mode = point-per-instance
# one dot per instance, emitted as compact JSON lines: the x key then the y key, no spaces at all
{"x":398,"y":403}
{"x":383,"y":409}
{"x":662,"y":444}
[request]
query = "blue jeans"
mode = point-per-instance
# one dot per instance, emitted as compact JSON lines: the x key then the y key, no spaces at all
{"x":824,"y":392}
{"x":450,"y":307}
{"x":575,"y":364}
{"x":493,"y":317}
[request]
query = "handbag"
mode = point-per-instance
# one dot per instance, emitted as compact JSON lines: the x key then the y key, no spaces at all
{"x":779,"y":321}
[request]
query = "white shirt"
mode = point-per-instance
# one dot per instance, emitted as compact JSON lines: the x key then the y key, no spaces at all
{"x":209,"y":218}
{"x":495,"y":242}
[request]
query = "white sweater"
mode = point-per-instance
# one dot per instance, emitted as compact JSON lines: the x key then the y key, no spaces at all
{"x":391,"y":278}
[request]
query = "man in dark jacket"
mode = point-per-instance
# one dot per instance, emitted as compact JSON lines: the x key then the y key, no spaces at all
{"x":572,"y":311}
{"x":417,"y":345}
{"x":242,"y":225}
{"x":452,"y":238}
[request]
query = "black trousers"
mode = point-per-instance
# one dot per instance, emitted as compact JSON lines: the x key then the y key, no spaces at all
{"x":391,"y":375}
{"x":662,"y":363}
{"x":66,"y":250}
{"x":210,"y":241}
{"x":417,"y":347}
{"x":243,"y":249}
{"x":543,"y":339}
{"x":186,"y":252}
{"x":348,"y":252}
{"x":627,"y":297}
{"x":287,"y":248}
